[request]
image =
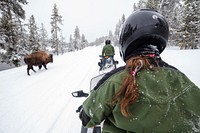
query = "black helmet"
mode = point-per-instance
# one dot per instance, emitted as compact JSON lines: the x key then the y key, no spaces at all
{"x":107,"y":42}
{"x":143,"y":27}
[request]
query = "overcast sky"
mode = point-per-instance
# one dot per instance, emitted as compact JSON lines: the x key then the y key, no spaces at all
{"x":93,"y":17}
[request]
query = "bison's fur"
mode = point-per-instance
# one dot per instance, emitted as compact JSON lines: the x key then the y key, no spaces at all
{"x":38,"y":58}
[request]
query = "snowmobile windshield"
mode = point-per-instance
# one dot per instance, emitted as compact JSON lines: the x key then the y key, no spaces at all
{"x":95,"y":80}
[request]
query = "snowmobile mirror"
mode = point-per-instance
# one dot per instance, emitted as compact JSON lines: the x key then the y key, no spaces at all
{"x":79,"y":94}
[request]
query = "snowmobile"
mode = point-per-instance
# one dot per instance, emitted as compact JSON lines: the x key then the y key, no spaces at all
{"x":80,"y":93}
{"x":107,"y":64}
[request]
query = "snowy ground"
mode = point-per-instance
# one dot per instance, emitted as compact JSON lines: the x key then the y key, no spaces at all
{"x":42,"y":102}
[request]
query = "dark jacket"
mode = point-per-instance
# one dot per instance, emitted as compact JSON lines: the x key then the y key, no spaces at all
{"x":168,"y":102}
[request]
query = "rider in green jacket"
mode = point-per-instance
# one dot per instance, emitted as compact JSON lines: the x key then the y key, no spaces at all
{"x":108,"y":51}
{"x":147,"y":95}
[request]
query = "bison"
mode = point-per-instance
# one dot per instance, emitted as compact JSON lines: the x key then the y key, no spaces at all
{"x":38,"y":58}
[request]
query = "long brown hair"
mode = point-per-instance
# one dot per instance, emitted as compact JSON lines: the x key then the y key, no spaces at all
{"x":128,"y":93}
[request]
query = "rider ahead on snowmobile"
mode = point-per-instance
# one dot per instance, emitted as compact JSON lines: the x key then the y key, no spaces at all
{"x":108,"y":51}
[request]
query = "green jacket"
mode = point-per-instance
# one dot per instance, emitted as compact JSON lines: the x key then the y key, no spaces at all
{"x":108,"y":50}
{"x":168,"y":102}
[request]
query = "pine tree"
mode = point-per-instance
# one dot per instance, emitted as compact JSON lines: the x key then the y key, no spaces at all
{"x":171,"y":10}
{"x":141,"y":4}
{"x":84,"y":42}
{"x":23,"y":39}
{"x":14,"y":6}
{"x":135,"y":7}
{"x":10,"y":20}
{"x":190,"y":25}
{"x":71,"y":44}
{"x":34,"y":44}
{"x":197,"y":22}
{"x":153,"y":4}
{"x":77,"y":38}
{"x":62,"y":43}
{"x":118,"y":29}
{"x":110,"y":36}
{"x":43,"y":37}
{"x":56,"y":20}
